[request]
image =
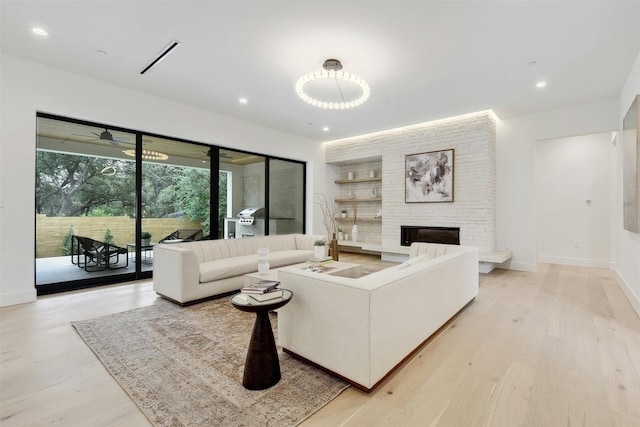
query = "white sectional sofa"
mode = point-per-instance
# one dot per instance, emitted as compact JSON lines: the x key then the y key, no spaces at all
{"x":361,"y":329}
{"x":193,"y":271}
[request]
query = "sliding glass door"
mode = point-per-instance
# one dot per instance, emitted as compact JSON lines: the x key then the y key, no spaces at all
{"x":85,"y":202}
{"x":175,"y":200}
{"x":242,"y":175}
{"x":105,"y":196}
{"x":286,"y":197}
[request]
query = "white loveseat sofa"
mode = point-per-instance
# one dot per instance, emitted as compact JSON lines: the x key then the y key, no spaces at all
{"x":362,"y":328}
{"x":190,"y":272}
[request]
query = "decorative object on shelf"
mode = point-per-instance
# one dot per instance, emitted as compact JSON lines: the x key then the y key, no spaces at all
{"x":343,"y":213}
{"x":374,"y":192}
{"x":318,"y":248}
{"x":354,"y":232}
{"x":145,"y":238}
{"x":333,"y":248}
{"x":263,"y":260}
{"x":333,"y":71}
{"x":350,"y":195}
{"x":350,"y":175}
{"x":378,"y":213}
{"x":372,"y":173}
{"x":340,"y":233}
{"x":429,"y":177}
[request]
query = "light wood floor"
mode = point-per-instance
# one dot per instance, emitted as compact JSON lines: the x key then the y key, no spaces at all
{"x":560,"y":347}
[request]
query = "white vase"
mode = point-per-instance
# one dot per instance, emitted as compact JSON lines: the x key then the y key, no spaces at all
{"x":354,"y":233}
{"x":318,"y":251}
{"x":263,"y":263}
{"x":340,"y":235}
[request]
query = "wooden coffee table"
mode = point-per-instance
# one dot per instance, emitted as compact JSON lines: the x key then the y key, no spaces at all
{"x":262,"y":366}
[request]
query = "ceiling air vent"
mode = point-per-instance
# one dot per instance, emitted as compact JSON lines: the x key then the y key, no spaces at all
{"x":172,"y":45}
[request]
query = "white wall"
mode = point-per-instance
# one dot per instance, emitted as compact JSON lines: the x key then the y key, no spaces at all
{"x":472,"y":136}
{"x":27,"y":87}
{"x":516,"y":209}
{"x":573,"y":188}
{"x":627,"y":244}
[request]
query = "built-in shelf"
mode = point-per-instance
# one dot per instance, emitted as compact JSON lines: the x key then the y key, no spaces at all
{"x":355,"y":180}
{"x":370,"y":199}
{"x":363,"y":219}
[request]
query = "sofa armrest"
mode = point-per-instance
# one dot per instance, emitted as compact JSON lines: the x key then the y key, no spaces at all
{"x":175,"y":271}
{"x":406,"y":312}
{"x":326,"y":322}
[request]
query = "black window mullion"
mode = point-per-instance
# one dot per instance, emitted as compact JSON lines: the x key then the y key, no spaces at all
{"x":214,"y":191}
{"x":138,"y":222}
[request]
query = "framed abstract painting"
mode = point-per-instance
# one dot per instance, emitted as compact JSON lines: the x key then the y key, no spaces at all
{"x":429,"y":177}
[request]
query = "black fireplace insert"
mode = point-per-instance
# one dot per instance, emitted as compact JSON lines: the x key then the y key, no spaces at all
{"x":416,"y":233}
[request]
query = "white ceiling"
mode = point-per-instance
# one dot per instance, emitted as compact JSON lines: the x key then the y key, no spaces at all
{"x":423,"y":60}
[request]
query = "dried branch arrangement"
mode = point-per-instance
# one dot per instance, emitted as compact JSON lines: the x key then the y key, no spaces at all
{"x":329,"y":209}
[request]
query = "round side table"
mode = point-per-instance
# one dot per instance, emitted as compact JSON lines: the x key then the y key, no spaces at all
{"x":262,"y":366}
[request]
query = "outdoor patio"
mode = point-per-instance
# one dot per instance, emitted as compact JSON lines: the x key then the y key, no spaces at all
{"x":60,"y":269}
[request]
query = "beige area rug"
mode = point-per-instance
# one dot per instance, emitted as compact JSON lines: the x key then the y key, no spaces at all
{"x":184,"y":367}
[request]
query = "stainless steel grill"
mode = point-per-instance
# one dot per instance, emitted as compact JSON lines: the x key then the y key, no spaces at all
{"x":248,"y":216}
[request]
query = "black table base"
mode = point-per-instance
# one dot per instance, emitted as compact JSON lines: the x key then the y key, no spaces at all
{"x":262,"y":367}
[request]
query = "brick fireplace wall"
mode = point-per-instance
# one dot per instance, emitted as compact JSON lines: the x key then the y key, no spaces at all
{"x":472,"y":136}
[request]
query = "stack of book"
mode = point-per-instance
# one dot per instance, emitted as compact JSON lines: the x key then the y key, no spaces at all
{"x":319,"y":261}
{"x":264,"y":290}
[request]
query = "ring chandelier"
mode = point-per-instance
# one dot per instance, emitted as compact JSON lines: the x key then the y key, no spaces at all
{"x":333,"y":70}
{"x":148,"y":154}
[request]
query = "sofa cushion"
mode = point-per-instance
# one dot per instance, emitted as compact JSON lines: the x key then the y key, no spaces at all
{"x":282,"y":258}
{"x":227,"y":267}
{"x":209,"y":250}
{"x":237,"y":266}
{"x":432,"y":250}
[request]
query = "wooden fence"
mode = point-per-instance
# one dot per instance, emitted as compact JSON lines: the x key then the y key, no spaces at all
{"x":50,"y":232}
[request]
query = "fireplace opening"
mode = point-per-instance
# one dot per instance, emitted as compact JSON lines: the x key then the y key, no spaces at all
{"x":416,"y":233}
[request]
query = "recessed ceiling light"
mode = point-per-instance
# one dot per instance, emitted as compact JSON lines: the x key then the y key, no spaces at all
{"x":39,"y":31}
{"x":243,"y":100}
{"x":540,"y":85}
{"x":326,"y":128}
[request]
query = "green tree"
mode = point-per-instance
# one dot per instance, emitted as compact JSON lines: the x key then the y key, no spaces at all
{"x":75,"y":185}
{"x":72,"y":185}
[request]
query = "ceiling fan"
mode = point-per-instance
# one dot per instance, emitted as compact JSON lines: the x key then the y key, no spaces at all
{"x":107,"y":136}
{"x":206,"y":155}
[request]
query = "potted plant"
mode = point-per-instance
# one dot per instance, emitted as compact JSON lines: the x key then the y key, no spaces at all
{"x":340,"y":233}
{"x":145,"y":238}
{"x":318,"y":248}
{"x":343,"y":213}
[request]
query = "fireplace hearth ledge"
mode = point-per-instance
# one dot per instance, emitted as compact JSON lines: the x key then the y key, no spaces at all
{"x":488,"y":260}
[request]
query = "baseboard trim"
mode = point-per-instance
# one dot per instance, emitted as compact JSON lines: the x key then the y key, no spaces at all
{"x":578,"y":262}
{"x":634,"y":300}
{"x":15,"y":298}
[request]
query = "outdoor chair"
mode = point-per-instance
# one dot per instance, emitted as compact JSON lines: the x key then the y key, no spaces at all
{"x":183,"y":235}
{"x":94,"y":255}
